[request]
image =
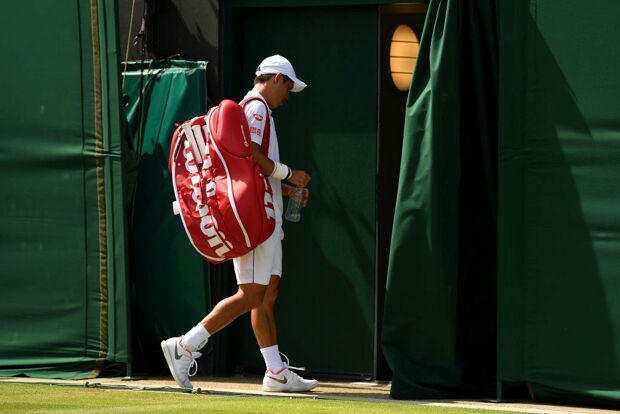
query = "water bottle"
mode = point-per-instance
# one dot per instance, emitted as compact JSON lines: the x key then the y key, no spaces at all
{"x":293,"y":210}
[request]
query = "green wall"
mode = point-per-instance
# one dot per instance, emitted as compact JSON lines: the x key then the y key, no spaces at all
{"x":63,"y":250}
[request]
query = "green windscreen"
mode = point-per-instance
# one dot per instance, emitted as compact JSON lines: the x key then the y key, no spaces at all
{"x":62,"y":216}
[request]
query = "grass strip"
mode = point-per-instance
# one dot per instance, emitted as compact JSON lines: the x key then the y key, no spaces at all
{"x":20,"y":398}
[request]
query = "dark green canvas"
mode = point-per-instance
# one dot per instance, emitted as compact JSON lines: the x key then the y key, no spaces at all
{"x":549,"y":73}
{"x":62,"y":219}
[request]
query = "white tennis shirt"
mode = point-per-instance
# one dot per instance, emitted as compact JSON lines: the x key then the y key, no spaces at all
{"x":256,"y":114}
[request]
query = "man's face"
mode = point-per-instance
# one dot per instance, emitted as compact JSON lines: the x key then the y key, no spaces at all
{"x":281,"y":88}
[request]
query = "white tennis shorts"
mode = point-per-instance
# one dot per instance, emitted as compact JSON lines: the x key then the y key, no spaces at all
{"x":265,"y":260}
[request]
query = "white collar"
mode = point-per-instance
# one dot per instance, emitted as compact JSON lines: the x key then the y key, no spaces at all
{"x":253,"y":94}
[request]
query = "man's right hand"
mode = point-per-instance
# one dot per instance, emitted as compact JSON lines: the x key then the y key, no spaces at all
{"x":299,"y":178}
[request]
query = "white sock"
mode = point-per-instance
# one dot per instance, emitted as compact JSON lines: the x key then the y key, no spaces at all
{"x":271,"y":354}
{"x":196,"y":338}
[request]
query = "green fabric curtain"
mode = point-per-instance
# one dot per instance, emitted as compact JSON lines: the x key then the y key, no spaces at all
{"x":511,"y":124}
{"x":439,"y":321}
{"x":170,"y":280}
{"x":63,"y":263}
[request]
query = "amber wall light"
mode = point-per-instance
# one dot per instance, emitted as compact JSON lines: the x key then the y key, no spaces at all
{"x":403,"y":54}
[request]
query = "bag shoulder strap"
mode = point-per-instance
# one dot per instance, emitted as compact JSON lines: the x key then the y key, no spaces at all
{"x":267,"y":132}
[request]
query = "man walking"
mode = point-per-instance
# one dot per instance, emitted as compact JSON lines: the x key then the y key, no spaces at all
{"x":258,"y":272}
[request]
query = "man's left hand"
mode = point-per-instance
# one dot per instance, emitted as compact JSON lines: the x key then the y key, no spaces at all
{"x":286,"y":190}
{"x":299,"y":177}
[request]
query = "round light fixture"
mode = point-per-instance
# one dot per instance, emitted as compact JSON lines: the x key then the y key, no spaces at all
{"x":403,"y":54}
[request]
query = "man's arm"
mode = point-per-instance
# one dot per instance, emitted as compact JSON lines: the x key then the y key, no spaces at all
{"x":266,"y":165}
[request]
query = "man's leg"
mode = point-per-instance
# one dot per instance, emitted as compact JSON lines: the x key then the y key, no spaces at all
{"x":277,"y":377}
{"x":263,"y":316}
{"x":264,"y":326}
{"x":248,"y":297}
{"x":180,"y":353}
{"x":252,"y":271}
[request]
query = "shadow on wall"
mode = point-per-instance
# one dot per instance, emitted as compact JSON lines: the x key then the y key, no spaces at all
{"x":568,"y":231}
{"x":189,"y":28}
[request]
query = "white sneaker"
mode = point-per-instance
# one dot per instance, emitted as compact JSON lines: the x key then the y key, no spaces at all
{"x":180,"y":361}
{"x":286,"y":381}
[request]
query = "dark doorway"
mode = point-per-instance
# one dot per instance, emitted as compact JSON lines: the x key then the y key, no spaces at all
{"x":326,"y":310}
{"x":391,"y":114}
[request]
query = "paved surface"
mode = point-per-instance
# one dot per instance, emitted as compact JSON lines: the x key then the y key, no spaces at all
{"x":333,"y":390}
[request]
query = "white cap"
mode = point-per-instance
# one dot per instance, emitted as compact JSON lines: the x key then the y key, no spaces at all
{"x":280,"y":64}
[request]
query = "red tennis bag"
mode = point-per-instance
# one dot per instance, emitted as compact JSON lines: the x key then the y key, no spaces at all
{"x":224,"y":200}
